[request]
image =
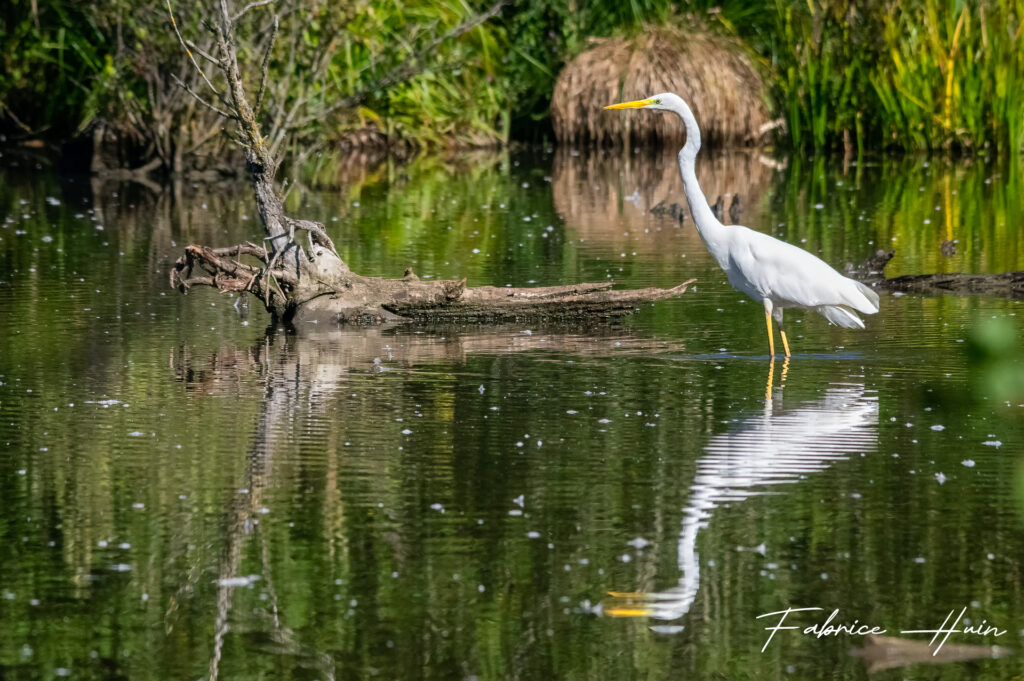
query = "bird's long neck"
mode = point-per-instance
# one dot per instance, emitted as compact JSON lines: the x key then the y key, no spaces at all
{"x":707,"y":224}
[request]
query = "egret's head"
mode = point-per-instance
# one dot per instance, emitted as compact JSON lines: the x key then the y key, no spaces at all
{"x":666,"y":100}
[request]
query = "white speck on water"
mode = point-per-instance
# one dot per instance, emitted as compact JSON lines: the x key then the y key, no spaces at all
{"x":571,"y":411}
{"x":992,"y":443}
{"x":527,"y":332}
{"x":919,"y":560}
{"x":941,"y":478}
{"x":625,"y":558}
{"x":406,"y":431}
{"x":638,"y":543}
{"x":121,"y":567}
{"x":991,"y":556}
{"x":124,"y":545}
{"x":476,"y":250}
{"x":969,"y":463}
{"x":519,"y":444}
{"x":437,"y":507}
{"x":532,"y":534}
{"x":136,"y":433}
{"x":938,"y":427}
{"x":481,"y":389}
{"x":604,"y":420}
{"x":819,"y":206}
{"x":62,"y":671}
{"x":520,"y":501}
{"x":138,"y":505}
{"x":102,"y":543}
{"x":233,"y":582}
{"x":516,"y":512}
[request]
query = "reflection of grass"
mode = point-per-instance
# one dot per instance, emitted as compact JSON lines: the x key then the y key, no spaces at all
{"x":911,"y":206}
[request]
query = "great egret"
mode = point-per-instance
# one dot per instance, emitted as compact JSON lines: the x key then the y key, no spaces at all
{"x":772,"y":272}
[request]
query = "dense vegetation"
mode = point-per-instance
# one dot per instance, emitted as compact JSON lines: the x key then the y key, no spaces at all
{"x":906,"y":74}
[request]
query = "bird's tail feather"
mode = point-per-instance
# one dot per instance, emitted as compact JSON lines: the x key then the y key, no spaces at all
{"x":872,"y":297}
{"x":840,"y":316}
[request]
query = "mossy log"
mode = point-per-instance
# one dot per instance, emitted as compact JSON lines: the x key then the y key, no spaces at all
{"x":1002,"y":284}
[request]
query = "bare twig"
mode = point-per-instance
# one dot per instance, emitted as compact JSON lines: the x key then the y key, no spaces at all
{"x":252,"y":5}
{"x":266,"y":65}
{"x":181,"y":40}
{"x":204,"y":54}
{"x":202,"y":101}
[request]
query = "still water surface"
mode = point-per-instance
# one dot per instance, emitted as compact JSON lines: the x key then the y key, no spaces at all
{"x":188,"y":492}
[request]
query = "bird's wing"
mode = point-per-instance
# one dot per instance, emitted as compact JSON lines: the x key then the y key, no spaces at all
{"x":785,"y":272}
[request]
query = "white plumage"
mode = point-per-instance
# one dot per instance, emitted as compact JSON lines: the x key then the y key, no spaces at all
{"x":776,"y":274}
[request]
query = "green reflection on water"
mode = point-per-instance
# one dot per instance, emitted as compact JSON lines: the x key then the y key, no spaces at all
{"x":462,"y":505}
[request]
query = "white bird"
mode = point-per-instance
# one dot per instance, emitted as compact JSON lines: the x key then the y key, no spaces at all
{"x":776,"y":274}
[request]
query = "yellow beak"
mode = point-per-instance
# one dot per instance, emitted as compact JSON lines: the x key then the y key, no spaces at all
{"x":638,"y":104}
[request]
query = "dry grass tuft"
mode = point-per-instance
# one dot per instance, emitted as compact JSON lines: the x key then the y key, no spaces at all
{"x":712,"y":73}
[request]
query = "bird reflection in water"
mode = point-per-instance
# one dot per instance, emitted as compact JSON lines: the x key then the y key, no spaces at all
{"x":776,"y":447}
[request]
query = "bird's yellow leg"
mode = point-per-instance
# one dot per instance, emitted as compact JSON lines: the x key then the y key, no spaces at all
{"x":771,"y":376}
{"x":771,"y":336}
{"x":785,"y":343}
{"x":785,"y":370}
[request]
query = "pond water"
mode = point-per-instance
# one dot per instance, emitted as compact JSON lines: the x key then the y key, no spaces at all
{"x":188,"y":492}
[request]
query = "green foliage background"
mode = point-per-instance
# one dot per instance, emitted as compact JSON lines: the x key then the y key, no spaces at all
{"x":904,"y":74}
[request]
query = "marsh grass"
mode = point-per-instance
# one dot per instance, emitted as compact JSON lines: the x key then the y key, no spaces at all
{"x":908,"y":74}
{"x":951,"y":75}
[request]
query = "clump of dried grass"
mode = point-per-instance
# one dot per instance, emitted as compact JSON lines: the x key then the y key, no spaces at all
{"x":712,"y":73}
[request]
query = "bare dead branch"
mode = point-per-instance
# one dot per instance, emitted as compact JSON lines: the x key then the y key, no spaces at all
{"x":265,"y":68}
{"x":181,"y":40}
{"x":202,"y":101}
{"x":252,"y":5}
{"x":204,"y":54}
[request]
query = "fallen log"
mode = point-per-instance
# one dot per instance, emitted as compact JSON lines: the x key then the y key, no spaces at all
{"x":1002,"y":284}
{"x":315,"y":285}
